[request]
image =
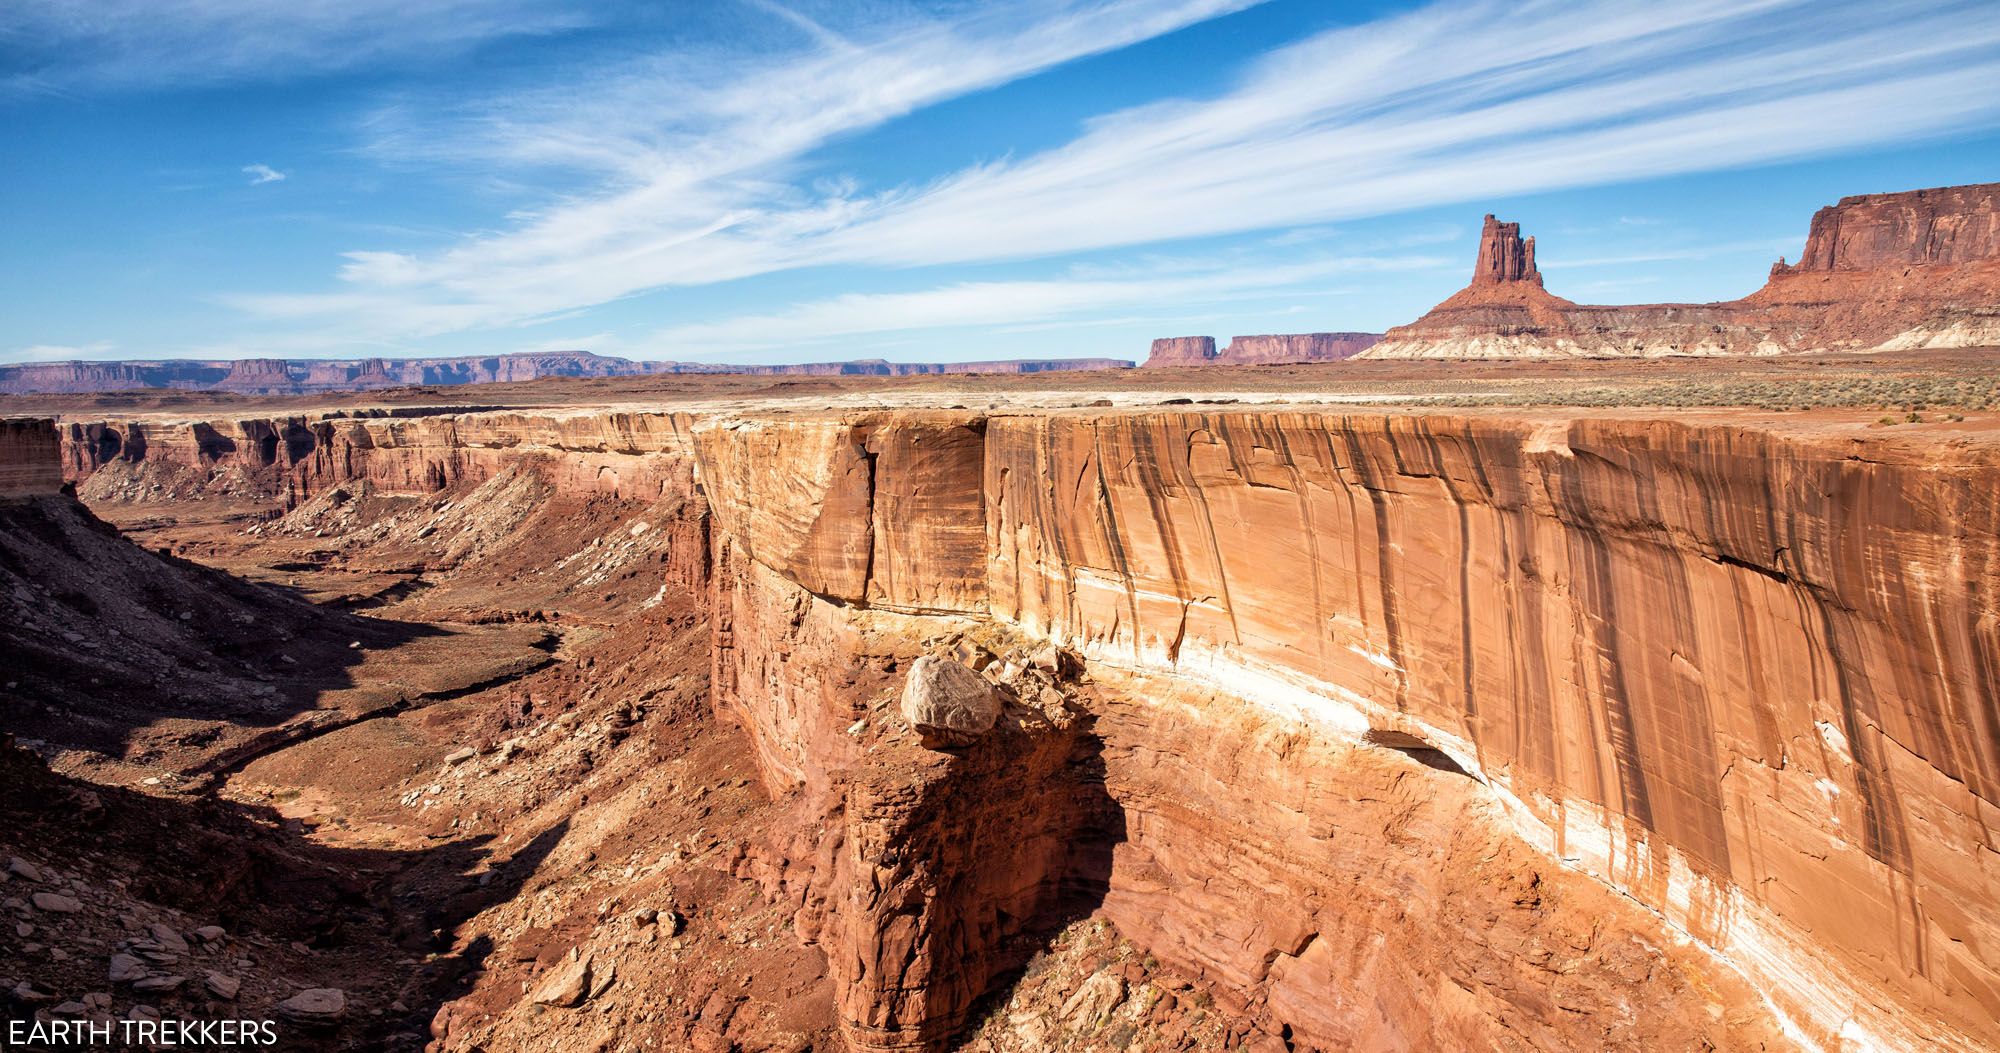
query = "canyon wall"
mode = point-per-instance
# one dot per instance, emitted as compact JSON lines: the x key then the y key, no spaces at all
{"x":1269,"y":350}
{"x":1722,"y":670}
{"x":295,"y":457}
{"x":1879,"y":272}
{"x":30,"y":458}
{"x":1744,"y":676}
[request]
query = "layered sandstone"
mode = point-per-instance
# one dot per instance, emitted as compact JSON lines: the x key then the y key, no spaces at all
{"x":1879,"y":272}
{"x":298,"y":456}
{"x":1267,"y":350}
{"x":30,"y":458}
{"x":1715,"y":668}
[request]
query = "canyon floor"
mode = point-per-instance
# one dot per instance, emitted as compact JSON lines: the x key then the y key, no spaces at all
{"x":444,"y":769}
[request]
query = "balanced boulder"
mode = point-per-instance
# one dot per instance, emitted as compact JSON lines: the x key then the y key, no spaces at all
{"x":947,"y":703}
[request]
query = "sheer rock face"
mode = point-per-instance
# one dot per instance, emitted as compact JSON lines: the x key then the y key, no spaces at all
{"x":1714,"y":667}
{"x":1880,"y":272}
{"x":1260,"y":350}
{"x":30,"y":458}
{"x":1958,"y":224}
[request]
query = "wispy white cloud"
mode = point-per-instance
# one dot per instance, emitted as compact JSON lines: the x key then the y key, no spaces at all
{"x":703,"y":174}
{"x":61,"y":352}
{"x":1017,"y":305}
{"x":88,"y":45}
{"x":261,"y":173}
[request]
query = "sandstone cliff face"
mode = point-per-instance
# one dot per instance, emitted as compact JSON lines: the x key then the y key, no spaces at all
{"x":1716,"y":668}
{"x":1958,"y":224}
{"x":1880,"y":272}
{"x":30,"y":458}
{"x":296,"y":457}
{"x":1269,"y":350}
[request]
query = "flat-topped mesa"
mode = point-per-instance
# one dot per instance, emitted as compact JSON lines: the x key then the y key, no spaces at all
{"x":257,"y":376}
{"x":1295,"y":347}
{"x":1504,"y":256}
{"x":1947,"y":225}
{"x":1182,"y":351}
{"x":1881,"y":272}
{"x":1264,"y":350}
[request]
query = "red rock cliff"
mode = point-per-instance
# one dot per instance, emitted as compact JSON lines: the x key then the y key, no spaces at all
{"x":30,"y":458}
{"x":1958,"y":224}
{"x":1713,"y":667}
{"x":623,"y":454}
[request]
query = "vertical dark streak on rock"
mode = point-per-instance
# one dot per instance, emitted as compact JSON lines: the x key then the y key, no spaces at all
{"x":1860,"y":723}
{"x":1384,"y":562}
{"x":1682,"y":730}
{"x":1184,"y":468}
{"x":1107,"y":518}
{"x":1306,"y":523}
{"x":1623,"y":731}
{"x":1468,"y":700}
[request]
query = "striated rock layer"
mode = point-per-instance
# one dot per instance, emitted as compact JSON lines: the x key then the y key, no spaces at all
{"x":1259,"y":350}
{"x":1879,"y":272}
{"x":1719,"y":669}
{"x":299,"y":456}
{"x":30,"y":458}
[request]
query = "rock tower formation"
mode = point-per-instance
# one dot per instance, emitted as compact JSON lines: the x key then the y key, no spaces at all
{"x":1879,"y":272}
{"x":1504,"y":256}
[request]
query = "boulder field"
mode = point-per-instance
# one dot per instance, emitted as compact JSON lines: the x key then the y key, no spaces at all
{"x":1508,"y":729}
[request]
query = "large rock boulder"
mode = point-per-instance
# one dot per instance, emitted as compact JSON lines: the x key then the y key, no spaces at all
{"x":948,"y":704}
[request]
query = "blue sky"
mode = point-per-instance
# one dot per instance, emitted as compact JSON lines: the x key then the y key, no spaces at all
{"x":751,"y":180}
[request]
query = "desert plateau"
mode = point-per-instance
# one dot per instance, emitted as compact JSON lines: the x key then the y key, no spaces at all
{"x":624,"y":528}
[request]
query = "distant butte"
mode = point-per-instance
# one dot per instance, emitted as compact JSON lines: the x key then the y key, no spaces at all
{"x":274,"y":376}
{"x":1880,"y":272}
{"x":1259,"y":350}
